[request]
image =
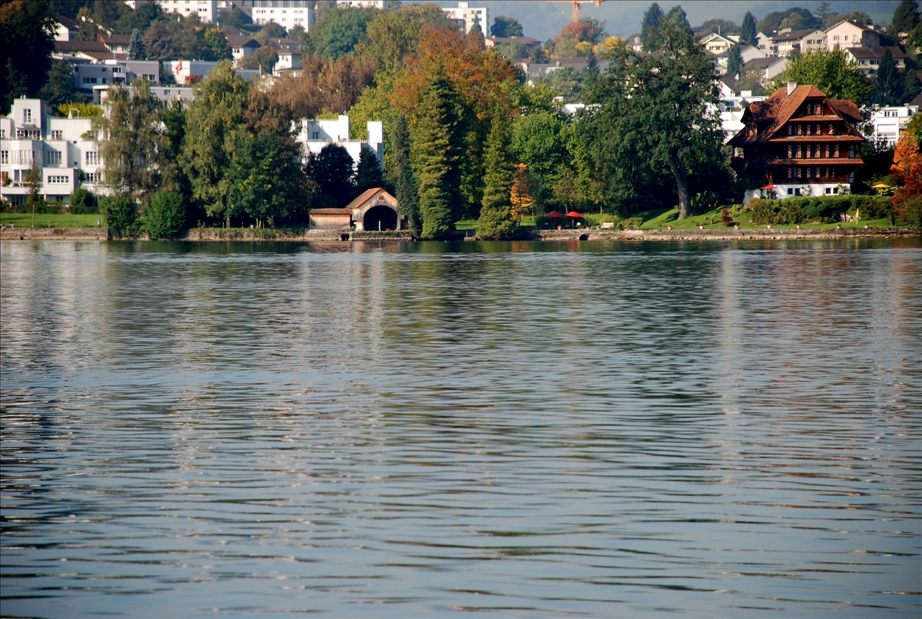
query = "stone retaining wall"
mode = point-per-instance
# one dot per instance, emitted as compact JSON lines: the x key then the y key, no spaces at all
{"x":261,"y":234}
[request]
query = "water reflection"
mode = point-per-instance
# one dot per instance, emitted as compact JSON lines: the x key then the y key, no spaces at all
{"x":422,"y":429}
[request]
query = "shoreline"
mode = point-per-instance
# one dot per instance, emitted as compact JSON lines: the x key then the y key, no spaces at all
{"x":236,"y":234}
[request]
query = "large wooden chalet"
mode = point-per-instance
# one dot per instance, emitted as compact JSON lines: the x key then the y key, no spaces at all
{"x":799,"y":142}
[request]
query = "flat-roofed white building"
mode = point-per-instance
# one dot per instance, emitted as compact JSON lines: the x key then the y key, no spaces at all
{"x":63,"y":149}
{"x":888,"y":122}
{"x":314,"y":135}
{"x":286,"y":13}
{"x":470,"y":16}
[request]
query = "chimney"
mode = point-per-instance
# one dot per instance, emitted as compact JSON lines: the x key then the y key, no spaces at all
{"x":791,"y":87}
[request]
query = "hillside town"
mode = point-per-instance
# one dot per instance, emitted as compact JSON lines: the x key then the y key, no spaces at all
{"x":408,"y":106}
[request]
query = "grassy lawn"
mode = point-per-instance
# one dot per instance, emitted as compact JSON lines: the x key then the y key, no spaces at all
{"x":47,"y":220}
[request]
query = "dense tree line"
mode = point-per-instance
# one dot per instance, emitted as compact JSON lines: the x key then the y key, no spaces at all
{"x":464,"y":137}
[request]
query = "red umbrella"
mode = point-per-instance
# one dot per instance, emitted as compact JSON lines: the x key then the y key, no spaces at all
{"x":574,"y":214}
{"x":554,"y":214}
{"x":769,"y":187}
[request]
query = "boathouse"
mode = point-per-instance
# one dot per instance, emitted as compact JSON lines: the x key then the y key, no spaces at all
{"x":375,"y":209}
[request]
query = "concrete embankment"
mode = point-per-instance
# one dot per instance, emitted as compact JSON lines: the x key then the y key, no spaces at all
{"x":234,"y":234}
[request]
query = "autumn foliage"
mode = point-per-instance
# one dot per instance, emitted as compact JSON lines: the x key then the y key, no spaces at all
{"x":907,"y":168}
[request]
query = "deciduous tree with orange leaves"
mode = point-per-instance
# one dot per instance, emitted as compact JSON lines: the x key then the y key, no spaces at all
{"x":907,"y":173}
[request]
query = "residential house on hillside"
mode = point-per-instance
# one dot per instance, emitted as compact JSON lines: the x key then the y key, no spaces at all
{"x":764,"y":42}
{"x":289,"y":53}
{"x":768,"y":68}
{"x":634,"y":42}
{"x":715,"y":43}
{"x":799,"y":142}
{"x":66,"y":29}
{"x":846,"y":34}
{"x":868,"y":58}
{"x":241,"y":45}
{"x":87,"y":51}
{"x":539,"y":70}
{"x":61,"y":148}
{"x":90,"y":75}
{"x":787,"y":40}
{"x":116,"y":43}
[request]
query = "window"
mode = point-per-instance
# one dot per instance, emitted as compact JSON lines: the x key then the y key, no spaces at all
{"x":851,"y":150}
{"x":52,"y":158}
{"x":2,"y":134}
{"x":27,"y":116}
{"x":91,"y":177}
{"x":58,"y":180}
{"x":4,"y":157}
{"x":92,"y":158}
{"x":790,"y":191}
{"x":315,"y":135}
{"x":835,"y":150}
{"x":835,"y":37}
{"x":89,"y":80}
{"x":57,"y":134}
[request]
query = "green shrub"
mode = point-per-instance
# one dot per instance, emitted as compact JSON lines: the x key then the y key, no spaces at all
{"x":121,"y":214}
{"x":872,"y":207}
{"x":910,"y":211}
{"x":165,"y":216}
{"x":83,"y":202}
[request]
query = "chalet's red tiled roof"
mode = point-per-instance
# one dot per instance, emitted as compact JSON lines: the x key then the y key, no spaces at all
{"x":778,"y":109}
{"x":847,"y":109}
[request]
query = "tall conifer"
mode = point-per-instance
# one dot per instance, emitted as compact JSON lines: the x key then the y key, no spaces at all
{"x":496,"y":220}
{"x":436,"y":152}
{"x":749,"y":33}
{"x":650,"y":27}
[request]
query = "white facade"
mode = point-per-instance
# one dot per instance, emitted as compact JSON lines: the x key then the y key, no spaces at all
{"x":470,"y":16}
{"x":846,"y":34}
{"x":888,"y":122}
{"x":62,"y":148}
{"x":88,"y":76}
{"x":207,"y":10}
{"x":286,"y":13}
{"x":362,"y":4}
{"x":316,"y":134}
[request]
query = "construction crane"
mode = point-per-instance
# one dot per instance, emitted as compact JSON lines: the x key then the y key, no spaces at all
{"x":576,"y":4}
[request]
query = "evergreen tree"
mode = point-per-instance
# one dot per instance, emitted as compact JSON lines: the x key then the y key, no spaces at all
{"x":749,"y":33}
{"x":165,"y":216}
{"x":368,"y":172}
{"x":496,"y":220}
{"x":734,"y":61}
{"x":650,"y":26}
{"x":823,"y":11}
{"x":906,"y":16}
{"x":436,"y":153}
{"x":506,"y":27}
{"x":136,"y":49}
{"x":888,"y":89}
{"x":333,"y":169}
{"x":406,"y":189}
{"x":60,"y":85}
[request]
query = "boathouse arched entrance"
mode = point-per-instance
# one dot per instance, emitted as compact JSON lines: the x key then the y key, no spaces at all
{"x":380,"y":217}
{"x":375,"y":210}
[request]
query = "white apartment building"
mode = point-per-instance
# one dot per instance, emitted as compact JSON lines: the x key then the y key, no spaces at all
{"x":286,"y":13}
{"x":888,"y":122}
{"x":362,"y":4}
{"x":88,"y":76}
{"x":316,"y":134}
{"x":469,"y":16}
{"x":207,"y":10}
{"x":62,"y":148}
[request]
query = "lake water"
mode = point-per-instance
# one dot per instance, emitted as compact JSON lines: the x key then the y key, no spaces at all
{"x":413,"y":430}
